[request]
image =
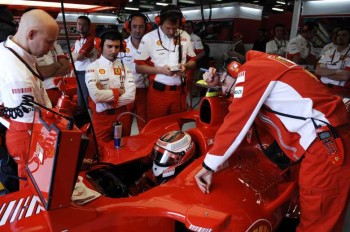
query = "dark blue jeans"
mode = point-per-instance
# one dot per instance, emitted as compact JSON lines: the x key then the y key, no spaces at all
{"x":84,"y":93}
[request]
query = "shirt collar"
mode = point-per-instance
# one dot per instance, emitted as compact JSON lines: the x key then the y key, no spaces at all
{"x":28,"y":58}
{"x":105,"y":61}
{"x":302,"y":38}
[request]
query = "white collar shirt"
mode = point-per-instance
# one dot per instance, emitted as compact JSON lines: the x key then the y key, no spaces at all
{"x":51,"y":57}
{"x":17,"y":80}
{"x":141,"y":80}
{"x":196,"y":43}
{"x":110,"y":75}
{"x":333,"y":59}
{"x":160,"y":50}
{"x":277,"y":47}
{"x":81,"y":65}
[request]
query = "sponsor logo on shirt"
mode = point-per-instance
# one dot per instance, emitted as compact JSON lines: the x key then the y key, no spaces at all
{"x":238,"y":92}
{"x":127,"y":50}
{"x":117,"y":71}
{"x":22,"y":90}
{"x":90,"y":71}
{"x":159,"y":43}
{"x":102,"y":71}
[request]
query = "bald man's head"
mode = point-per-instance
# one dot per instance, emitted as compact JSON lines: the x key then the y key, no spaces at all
{"x":37,"y":32}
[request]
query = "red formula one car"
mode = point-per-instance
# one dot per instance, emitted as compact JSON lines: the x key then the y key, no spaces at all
{"x":250,"y":193}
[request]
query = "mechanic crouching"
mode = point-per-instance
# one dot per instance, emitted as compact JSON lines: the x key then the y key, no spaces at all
{"x":35,"y":37}
{"x":111,"y":87}
{"x":306,"y":120}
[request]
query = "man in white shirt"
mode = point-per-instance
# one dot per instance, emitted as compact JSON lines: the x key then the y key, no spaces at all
{"x":53,"y":64}
{"x":161,"y":56}
{"x":137,"y":25}
{"x":19,"y":76}
{"x":84,"y":53}
{"x":111,"y":87}
{"x":278,"y":45}
{"x":300,"y":49}
{"x":334,"y":65}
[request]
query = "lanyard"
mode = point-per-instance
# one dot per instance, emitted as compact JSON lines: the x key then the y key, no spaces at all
{"x":341,"y":57}
{"x":178,"y":40}
{"x":280,"y":45}
{"x":36,"y":74}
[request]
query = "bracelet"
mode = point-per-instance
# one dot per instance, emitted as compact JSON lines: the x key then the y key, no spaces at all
{"x":207,"y":168}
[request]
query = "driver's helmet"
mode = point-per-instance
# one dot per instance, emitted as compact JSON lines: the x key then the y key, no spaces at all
{"x":171,"y":153}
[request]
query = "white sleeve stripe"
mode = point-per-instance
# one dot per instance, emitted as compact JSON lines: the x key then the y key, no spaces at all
{"x":214,"y":161}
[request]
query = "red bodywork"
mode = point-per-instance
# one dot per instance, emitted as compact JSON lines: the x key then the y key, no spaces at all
{"x":249,"y":194}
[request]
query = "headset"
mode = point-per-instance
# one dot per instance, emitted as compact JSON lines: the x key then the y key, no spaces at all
{"x":148,"y":24}
{"x":167,"y":12}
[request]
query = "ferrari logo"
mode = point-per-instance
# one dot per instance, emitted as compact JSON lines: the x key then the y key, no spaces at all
{"x":102,"y":71}
{"x":117,"y":71}
{"x":127,"y":50}
{"x":159,"y":43}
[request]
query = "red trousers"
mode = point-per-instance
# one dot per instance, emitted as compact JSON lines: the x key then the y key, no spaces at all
{"x":17,"y":143}
{"x":324,"y":188}
{"x":139,"y":107}
{"x":103,"y":123}
{"x":166,"y":102}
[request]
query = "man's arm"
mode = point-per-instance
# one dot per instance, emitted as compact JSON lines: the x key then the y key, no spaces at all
{"x":147,"y":69}
{"x":333,"y":74}
{"x":49,"y":70}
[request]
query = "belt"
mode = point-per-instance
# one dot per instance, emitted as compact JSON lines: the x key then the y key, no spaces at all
{"x":113,"y":111}
{"x":163,"y":87}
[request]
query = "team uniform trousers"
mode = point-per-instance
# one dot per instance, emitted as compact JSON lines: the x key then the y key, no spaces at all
{"x":324,"y":188}
{"x":272,"y":82}
{"x":165,"y":102}
{"x":103,"y":123}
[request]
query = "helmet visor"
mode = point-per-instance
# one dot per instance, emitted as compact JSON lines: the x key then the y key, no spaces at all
{"x":163,"y":157}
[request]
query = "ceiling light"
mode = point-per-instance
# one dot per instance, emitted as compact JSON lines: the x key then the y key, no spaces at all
{"x":47,"y":4}
{"x":188,"y":1}
{"x":131,"y":8}
{"x":280,"y":2}
{"x":277,"y":9}
{"x":146,"y":6}
{"x":162,"y":4}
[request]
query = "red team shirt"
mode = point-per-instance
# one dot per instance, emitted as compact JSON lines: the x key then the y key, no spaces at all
{"x":265,"y":82}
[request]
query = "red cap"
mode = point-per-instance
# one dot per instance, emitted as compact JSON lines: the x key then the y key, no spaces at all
{"x":233,"y":68}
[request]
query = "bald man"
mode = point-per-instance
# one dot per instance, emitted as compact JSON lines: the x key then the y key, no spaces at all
{"x":35,"y":37}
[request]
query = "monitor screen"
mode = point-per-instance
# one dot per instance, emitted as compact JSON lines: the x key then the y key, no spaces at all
{"x":42,"y":155}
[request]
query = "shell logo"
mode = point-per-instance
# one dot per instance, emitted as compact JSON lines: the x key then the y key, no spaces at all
{"x":260,"y":225}
{"x":127,"y":50}
{"x":159,"y":43}
{"x":101,"y":71}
